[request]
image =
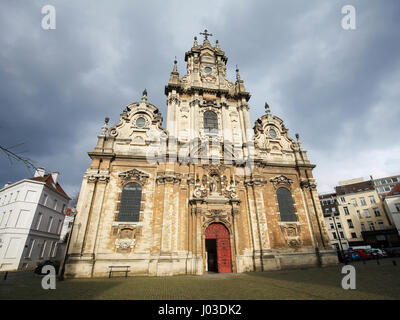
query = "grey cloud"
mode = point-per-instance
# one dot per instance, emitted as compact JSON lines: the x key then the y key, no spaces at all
{"x":330,"y":85}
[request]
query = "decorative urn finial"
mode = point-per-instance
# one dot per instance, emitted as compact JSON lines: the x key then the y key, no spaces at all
{"x":267,"y":109}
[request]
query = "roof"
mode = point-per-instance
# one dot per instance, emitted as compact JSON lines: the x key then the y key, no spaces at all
{"x":395,"y":191}
{"x":355,"y":187}
{"x":48,"y":179}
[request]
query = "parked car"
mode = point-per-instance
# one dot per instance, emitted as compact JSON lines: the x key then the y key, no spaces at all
{"x":364,"y":254}
{"x":351,"y":255}
{"x":378,"y":253}
{"x":393,"y":252}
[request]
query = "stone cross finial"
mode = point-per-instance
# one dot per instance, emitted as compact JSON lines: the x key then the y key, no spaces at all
{"x":195,"y":44}
{"x":206,"y":34}
{"x":144,"y":96}
{"x":237,"y":73}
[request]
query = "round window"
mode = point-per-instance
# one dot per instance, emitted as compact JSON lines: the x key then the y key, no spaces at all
{"x":207,"y":69}
{"x":272,"y":133}
{"x":140,"y":122}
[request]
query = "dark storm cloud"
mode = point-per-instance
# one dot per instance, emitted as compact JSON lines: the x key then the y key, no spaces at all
{"x":337,"y":88}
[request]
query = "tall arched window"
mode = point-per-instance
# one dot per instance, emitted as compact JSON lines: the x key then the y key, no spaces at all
{"x":210,"y":121}
{"x":130,"y":203}
{"x":286,"y":207}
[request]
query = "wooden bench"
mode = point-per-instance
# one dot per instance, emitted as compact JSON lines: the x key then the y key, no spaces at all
{"x":118,"y":269}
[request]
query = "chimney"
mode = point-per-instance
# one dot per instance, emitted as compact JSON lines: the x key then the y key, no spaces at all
{"x":39,"y":172}
{"x":54,"y":175}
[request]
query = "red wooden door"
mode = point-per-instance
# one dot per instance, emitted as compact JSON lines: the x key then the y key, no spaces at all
{"x":219,"y":232}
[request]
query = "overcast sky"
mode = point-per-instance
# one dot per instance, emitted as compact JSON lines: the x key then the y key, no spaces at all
{"x":339,"y":89}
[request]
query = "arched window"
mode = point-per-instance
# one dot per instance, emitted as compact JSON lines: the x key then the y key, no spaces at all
{"x":210,"y":121}
{"x":130,"y":203}
{"x":286,"y":207}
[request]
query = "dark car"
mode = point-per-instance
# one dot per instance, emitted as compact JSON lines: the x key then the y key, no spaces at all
{"x":40,"y":265}
{"x":351,"y":255}
{"x":393,"y":252}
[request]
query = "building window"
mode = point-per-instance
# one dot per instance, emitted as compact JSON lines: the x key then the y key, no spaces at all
{"x":366,"y":212}
{"x":43,"y":249}
{"x":30,"y":248}
{"x":44,"y":199}
{"x":371,"y":226}
{"x":286,"y":207}
{"x":350,"y":223}
{"x":372,"y":199}
{"x":210,"y":121}
{"x":332,"y":227}
{"x":54,"y":249}
{"x":55,"y":204}
{"x":334,"y":235}
{"x":50,"y":224}
{"x":359,"y":213}
{"x":38,"y":221}
{"x":377,"y":213}
{"x":354,"y":202}
{"x":363,"y":202}
{"x":343,"y":199}
{"x":362,"y":227}
{"x":397,"y":206}
{"x":353,"y":235}
{"x":333,"y":209}
{"x":339,"y":225}
{"x":346,"y":211}
{"x":130,"y":203}
{"x":341,"y":234}
{"x":59,"y":226}
{"x":63,"y":209}
{"x":9,"y":219}
{"x":381,"y":225}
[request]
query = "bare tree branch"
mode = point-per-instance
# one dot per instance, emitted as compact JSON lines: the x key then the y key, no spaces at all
{"x":17,"y":156}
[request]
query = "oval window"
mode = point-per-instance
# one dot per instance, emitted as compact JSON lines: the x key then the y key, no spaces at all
{"x":207,"y":69}
{"x":272,"y":133}
{"x":140,"y":122}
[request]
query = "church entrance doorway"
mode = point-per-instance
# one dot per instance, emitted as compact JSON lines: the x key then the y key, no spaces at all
{"x":218,"y":248}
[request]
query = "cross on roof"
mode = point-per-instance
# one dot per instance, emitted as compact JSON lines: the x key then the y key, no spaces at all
{"x":206,"y":34}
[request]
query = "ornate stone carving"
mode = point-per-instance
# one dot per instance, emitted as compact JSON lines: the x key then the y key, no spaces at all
{"x":255,"y":181}
{"x":126,"y":238}
{"x":308,"y":183}
{"x":281,"y":181}
{"x":125,"y":243}
{"x":291,"y":232}
{"x":133,"y":174}
{"x":168,"y":177}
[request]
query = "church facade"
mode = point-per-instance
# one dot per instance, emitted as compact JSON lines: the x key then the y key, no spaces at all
{"x":210,"y":192}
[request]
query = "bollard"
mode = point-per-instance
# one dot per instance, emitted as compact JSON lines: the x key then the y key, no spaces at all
{"x":377,"y":261}
{"x":5,"y":275}
{"x":394,"y":262}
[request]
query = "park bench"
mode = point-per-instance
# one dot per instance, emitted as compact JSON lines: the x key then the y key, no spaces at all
{"x":118,"y":269}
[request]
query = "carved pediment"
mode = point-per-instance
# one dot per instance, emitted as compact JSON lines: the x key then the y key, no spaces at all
{"x":134,"y":174}
{"x":281,"y":180}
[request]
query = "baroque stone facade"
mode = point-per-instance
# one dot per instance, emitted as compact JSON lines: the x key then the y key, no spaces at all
{"x":212,"y":187}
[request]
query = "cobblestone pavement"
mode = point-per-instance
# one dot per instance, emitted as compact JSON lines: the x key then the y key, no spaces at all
{"x":373,"y":281}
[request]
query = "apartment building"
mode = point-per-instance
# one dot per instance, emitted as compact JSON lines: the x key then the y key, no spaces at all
{"x":32,"y":213}
{"x":362,"y":212}
{"x":385,"y":185}
{"x":333,"y":221}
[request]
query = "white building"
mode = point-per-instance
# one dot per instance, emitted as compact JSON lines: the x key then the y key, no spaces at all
{"x":32,"y":213}
{"x":392,"y":205}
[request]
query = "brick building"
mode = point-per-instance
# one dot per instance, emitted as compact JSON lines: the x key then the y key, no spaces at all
{"x":208,"y":193}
